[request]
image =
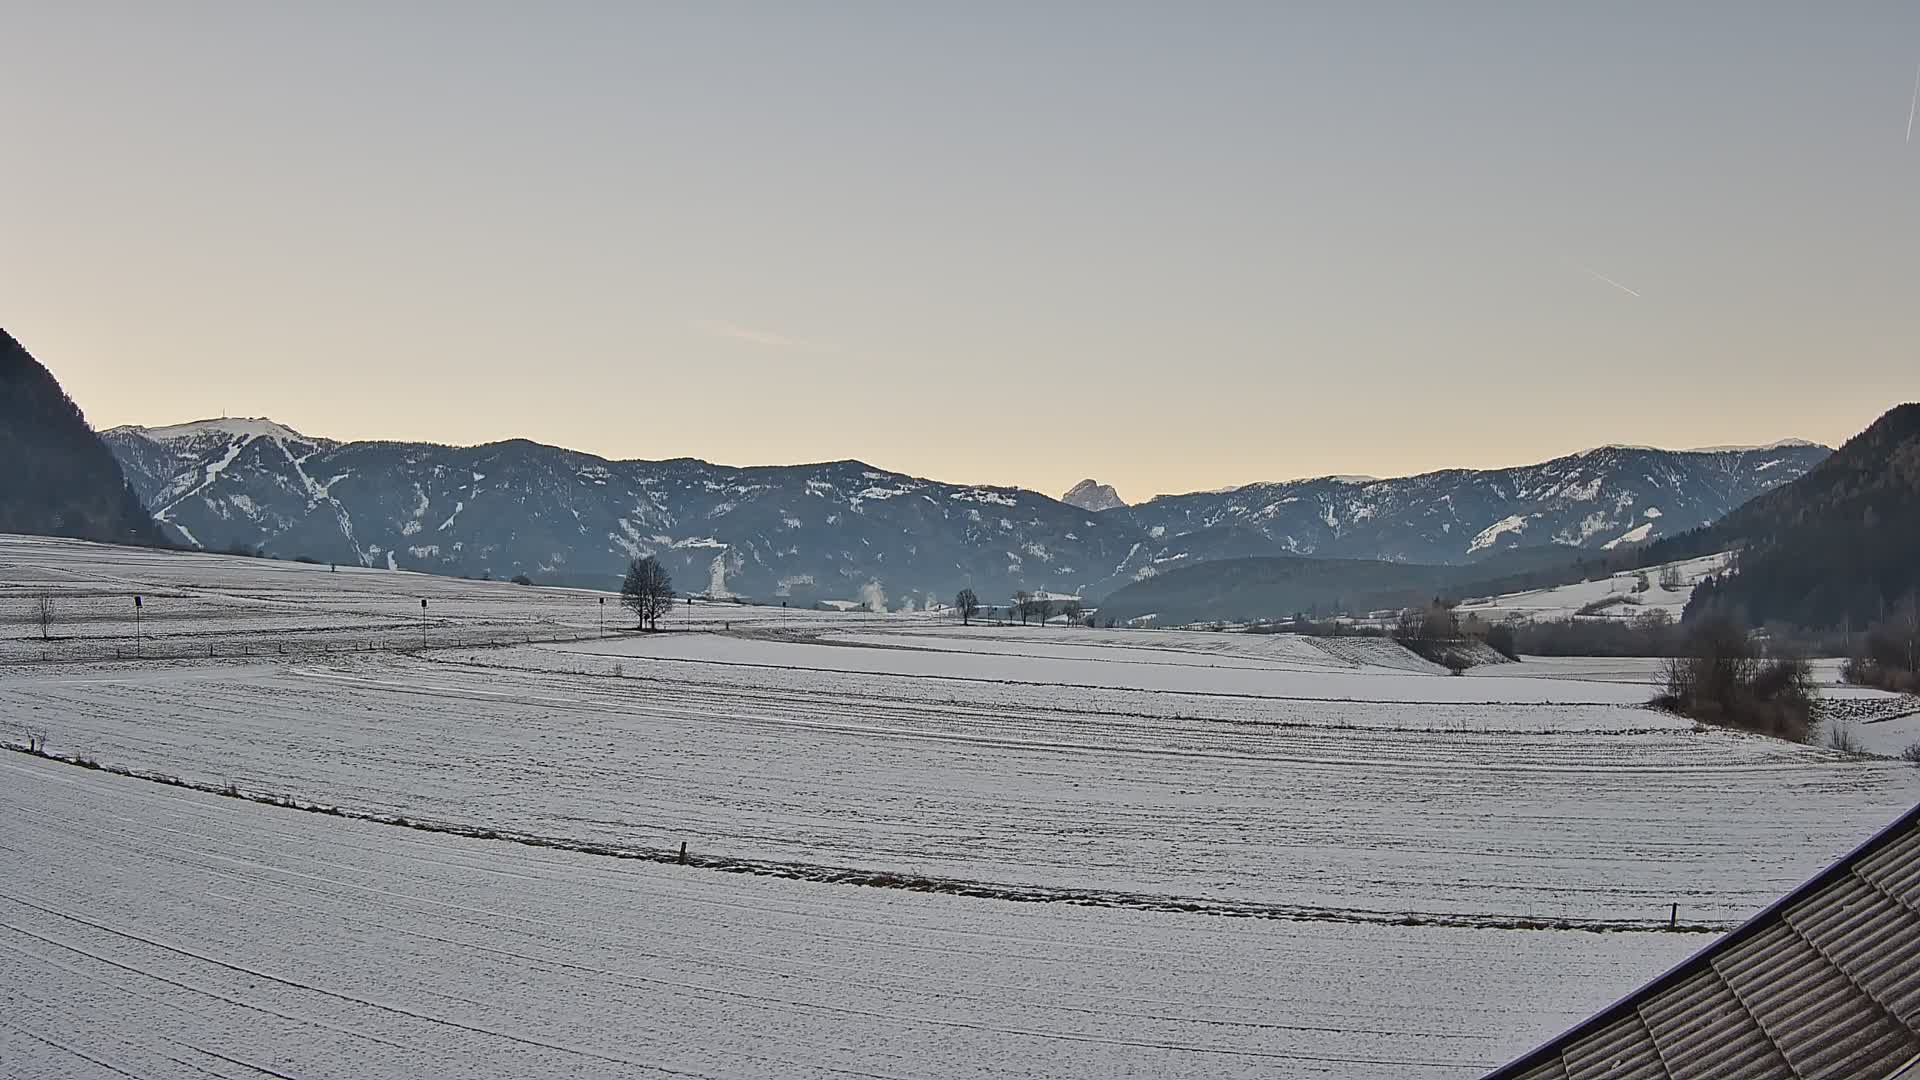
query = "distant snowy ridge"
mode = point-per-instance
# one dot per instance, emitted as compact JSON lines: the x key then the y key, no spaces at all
{"x":1604,"y":498}
{"x":1783,"y":444}
{"x":234,"y":427}
{"x":806,"y":533}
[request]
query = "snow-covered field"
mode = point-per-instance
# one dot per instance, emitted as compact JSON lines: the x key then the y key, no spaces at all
{"x":1080,"y":810}
{"x":1617,"y":597}
{"x":923,"y":657}
{"x":195,"y":605}
{"x":1879,"y":722}
{"x":153,"y":932}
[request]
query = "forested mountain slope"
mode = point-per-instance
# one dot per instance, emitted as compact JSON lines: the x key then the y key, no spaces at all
{"x":56,"y":477}
{"x":1839,"y":546}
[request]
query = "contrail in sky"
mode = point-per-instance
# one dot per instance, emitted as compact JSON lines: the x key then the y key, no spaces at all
{"x":1602,"y":277}
{"x":1914,"y":102}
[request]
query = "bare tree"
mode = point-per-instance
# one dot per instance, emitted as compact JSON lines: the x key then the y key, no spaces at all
{"x":1716,"y":665}
{"x":968,"y":605}
{"x":647,"y":592}
{"x":1670,"y":579}
{"x":1023,"y":603}
{"x":43,"y":610}
{"x":1043,"y":607}
{"x":1072,"y":609}
{"x":1435,"y":622}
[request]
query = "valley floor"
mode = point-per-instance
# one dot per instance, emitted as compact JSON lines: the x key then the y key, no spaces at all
{"x":1081,"y":815}
{"x":157,"y":932}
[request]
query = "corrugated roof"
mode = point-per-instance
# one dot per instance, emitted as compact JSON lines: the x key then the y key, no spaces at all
{"x":1824,"y":983}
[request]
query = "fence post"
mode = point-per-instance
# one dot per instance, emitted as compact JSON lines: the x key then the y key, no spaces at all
{"x":683,"y":853}
{"x":1673,"y":918}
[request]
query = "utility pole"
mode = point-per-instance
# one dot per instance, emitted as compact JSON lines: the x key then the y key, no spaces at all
{"x":423,"y":622}
{"x":603,"y":616}
{"x":136,"y":624}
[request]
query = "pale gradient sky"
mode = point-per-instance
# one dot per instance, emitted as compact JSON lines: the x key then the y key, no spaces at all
{"x":1170,"y":246}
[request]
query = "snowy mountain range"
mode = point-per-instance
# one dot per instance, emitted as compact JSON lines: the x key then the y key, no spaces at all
{"x":840,"y":529}
{"x":1601,"y":498}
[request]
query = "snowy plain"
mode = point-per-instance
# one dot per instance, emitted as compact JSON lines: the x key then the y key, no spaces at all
{"x":193,"y":604}
{"x":992,"y":655}
{"x":162,"y":933}
{"x":1083,"y":809}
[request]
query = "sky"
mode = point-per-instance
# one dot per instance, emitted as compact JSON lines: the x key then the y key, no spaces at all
{"x":1170,"y":246}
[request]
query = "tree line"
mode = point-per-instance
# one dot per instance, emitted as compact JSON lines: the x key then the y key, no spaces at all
{"x":1026,"y":606}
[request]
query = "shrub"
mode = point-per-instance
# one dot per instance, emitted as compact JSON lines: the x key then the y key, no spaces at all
{"x":1889,"y":655}
{"x":1784,"y":677}
{"x":1840,"y":736}
{"x":1718,"y":679}
{"x":1600,"y":606}
{"x":1911,"y":754}
{"x":1435,"y":622}
{"x":1649,"y":634}
{"x":1501,"y":639}
{"x":522,"y":579}
{"x":1867,"y":671}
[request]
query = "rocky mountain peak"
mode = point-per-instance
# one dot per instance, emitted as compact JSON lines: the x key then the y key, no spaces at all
{"x":1090,"y":494}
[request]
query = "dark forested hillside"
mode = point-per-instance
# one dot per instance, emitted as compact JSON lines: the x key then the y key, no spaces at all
{"x":1839,"y":546}
{"x":56,"y":476}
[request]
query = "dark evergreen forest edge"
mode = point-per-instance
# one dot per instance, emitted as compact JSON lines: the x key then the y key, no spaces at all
{"x":56,"y":477}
